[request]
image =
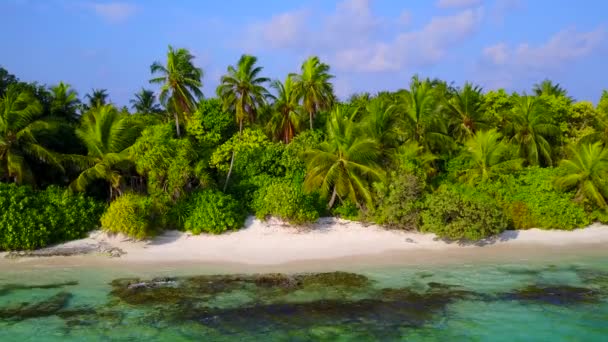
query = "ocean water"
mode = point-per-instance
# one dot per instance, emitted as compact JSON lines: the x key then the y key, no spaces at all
{"x":540,"y":300}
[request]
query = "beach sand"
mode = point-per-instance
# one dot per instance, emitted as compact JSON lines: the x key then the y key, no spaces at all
{"x":327,"y":244}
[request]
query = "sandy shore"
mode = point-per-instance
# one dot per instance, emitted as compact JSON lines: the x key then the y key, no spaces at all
{"x":274,"y":243}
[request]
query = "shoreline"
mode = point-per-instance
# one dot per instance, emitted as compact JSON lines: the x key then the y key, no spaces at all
{"x":329,"y":243}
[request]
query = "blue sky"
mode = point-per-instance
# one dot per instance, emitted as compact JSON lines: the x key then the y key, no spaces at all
{"x":371,"y":45}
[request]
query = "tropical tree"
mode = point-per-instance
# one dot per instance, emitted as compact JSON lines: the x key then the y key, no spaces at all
{"x":488,"y":156}
{"x":530,"y":130}
{"x":547,"y":87}
{"x":586,"y":171}
{"x":313,"y":87}
{"x":107,"y":136}
{"x":382,"y":122}
{"x":180,"y":83}
{"x":64,"y":102}
{"x":464,"y":108}
{"x":287,"y":117}
{"x":145,"y":102}
{"x":20,"y":121}
{"x":419,"y":108}
{"x":343,"y":165}
{"x":242,"y":91}
{"x":97,"y":98}
{"x":6,"y":79}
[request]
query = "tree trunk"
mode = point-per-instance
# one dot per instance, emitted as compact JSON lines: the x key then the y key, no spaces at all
{"x":310,"y":115}
{"x":177,"y":125}
{"x":233,"y":154}
{"x":332,"y":200}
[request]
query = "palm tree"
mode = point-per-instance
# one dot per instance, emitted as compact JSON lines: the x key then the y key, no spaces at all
{"x":180,"y":83}
{"x":419,"y":108}
{"x":547,"y":87}
{"x":242,"y":91}
{"x":20,"y":120}
{"x":488,"y":155}
{"x":463,"y":106}
{"x":381,"y":121}
{"x":64,"y":102}
{"x":313,"y":87}
{"x":530,"y":130}
{"x":586,"y":171}
{"x":287,"y":118}
{"x":344,"y":163}
{"x":107,"y":135}
{"x":145,"y":102}
{"x":97,"y":98}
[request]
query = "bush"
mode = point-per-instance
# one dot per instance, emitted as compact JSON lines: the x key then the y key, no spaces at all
{"x":531,"y":200}
{"x":347,"y":210}
{"x":397,"y":203}
{"x":456,"y":216}
{"x":129,"y":214}
{"x":32,"y":219}
{"x":211,"y":211}
{"x":287,"y":201}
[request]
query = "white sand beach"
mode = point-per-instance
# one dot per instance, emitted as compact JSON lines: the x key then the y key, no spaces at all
{"x":267,"y":243}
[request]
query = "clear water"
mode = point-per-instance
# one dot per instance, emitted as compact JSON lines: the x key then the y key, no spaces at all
{"x":556,"y":300}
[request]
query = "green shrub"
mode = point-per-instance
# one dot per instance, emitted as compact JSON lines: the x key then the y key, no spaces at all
{"x":211,"y":211}
{"x":457,"y":216}
{"x":347,"y":210}
{"x":129,"y":214}
{"x":397,"y":200}
{"x":287,"y":201}
{"x":529,"y":198}
{"x":32,"y":219}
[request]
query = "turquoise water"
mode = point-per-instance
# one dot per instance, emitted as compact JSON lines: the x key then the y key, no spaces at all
{"x":556,"y":300}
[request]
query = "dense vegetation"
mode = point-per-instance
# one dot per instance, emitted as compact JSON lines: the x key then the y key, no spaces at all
{"x":454,"y":160}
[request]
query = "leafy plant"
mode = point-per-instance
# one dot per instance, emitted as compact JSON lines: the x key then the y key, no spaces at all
{"x":211,"y":211}
{"x":129,"y":214}
{"x":286,"y":201}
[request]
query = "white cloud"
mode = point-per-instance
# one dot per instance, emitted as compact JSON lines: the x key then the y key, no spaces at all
{"x":458,"y":3}
{"x":563,"y":47}
{"x":114,"y":11}
{"x":501,"y":64}
{"x":353,"y":38}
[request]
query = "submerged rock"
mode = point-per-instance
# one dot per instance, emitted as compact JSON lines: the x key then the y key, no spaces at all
{"x":47,"y":307}
{"x":557,"y":294}
{"x":8,"y":288}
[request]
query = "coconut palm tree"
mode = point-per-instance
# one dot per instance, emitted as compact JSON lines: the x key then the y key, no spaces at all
{"x":97,"y":98}
{"x":463,"y":107}
{"x":530,"y":130}
{"x":64,"y":102}
{"x":107,"y":135}
{"x":547,"y":87}
{"x":20,"y":122}
{"x":145,"y":102}
{"x":586,"y":171}
{"x":381,"y":121}
{"x":488,"y":155}
{"x":180,"y":83}
{"x":344,"y":163}
{"x":313,"y":87}
{"x":287,"y":118}
{"x":419,"y":108}
{"x":242,"y":91}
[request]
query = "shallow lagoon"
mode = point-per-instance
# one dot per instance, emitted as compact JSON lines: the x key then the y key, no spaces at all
{"x":556,"y":299}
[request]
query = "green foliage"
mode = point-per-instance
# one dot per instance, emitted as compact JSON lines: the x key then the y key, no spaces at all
{"x":313,"y":87}
{"x":602,"y":105}
{"x":455,"y":215}
{"x":210,"y":124}
{"x":347,"y":210}
{"x":130,"y":214}
{"x":286,"y":201}
{"x":211,"y":211}
{"x":397,"y":200}
{"x":32,"y":219}
{"x":171,"y":166}
{"x":530,"y":199}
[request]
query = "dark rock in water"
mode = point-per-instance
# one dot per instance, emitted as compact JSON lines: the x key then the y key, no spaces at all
{"x":47,"y":307}
{"x":557,"y":295}
{"x":200,"y":288}
{"x":8,"y":288}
